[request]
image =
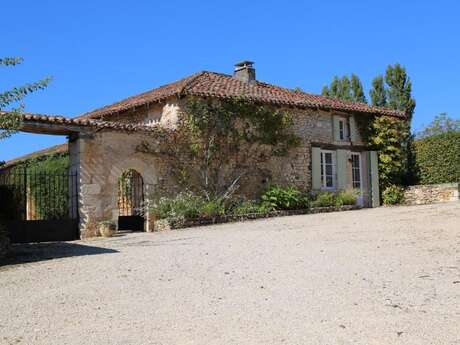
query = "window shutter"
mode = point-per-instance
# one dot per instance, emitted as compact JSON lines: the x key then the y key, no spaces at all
{"x":316,"y":167}
{"x":335,"y":128}
{"x":342,"y":171}
{"x":374,"y":178}
{"x":353,"y":129}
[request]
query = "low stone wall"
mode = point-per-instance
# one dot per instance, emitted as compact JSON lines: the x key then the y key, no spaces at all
{"x":171,"y":224}
{"x":432,"y":193}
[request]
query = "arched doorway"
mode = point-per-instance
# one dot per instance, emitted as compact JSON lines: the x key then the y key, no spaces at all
{"x":130,"y":201}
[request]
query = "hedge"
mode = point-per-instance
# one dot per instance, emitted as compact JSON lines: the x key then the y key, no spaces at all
{"x":438,"y":158}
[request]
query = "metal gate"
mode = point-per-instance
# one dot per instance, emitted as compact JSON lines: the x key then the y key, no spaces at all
{"x":130,"y":201}
{"x":38,"y":206}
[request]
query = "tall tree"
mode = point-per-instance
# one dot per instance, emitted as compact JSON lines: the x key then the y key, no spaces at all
{"x":399,"y":97}
{"x":11,"y":101}
{"x":357,"y":89}
{"x":394,"y":91}
{"x":377,"y":92}
{"x":399,"y":91}
{"x":346,"y":89}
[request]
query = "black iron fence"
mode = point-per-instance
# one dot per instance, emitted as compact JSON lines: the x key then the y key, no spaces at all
{"x":31,"y":195}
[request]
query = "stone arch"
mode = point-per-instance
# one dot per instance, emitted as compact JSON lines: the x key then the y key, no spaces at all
{"x":130,"y":201}
{"x":147,"y":171}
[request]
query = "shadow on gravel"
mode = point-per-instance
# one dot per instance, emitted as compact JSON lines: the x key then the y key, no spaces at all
{"x":33,"y":252}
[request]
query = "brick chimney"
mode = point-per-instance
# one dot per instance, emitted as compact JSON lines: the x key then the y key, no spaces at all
{"x":245,"y":72}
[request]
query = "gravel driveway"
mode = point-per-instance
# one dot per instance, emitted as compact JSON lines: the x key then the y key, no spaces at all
{"x":375,"y":276}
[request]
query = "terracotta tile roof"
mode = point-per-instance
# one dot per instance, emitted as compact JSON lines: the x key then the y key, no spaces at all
{"x":84,"y":122}
{"x":225,"y":86}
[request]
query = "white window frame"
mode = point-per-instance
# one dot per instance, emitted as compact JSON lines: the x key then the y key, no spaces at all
{"x":360,"y":162}
{"x":323,"y":169}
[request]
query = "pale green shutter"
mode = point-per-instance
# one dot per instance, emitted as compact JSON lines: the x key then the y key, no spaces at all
{"x":316,"y":167}
{"x":341,"y":169}
{"x":374,"y":178}
{"x":335,"y":128}
{"x":353,"y":130}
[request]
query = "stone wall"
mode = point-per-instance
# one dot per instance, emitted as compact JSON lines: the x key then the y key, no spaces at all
{"x":428,"y":194}
{"x":101,"y":157}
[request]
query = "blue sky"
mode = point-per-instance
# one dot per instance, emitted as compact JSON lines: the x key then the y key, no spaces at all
{"x":99,"y":52}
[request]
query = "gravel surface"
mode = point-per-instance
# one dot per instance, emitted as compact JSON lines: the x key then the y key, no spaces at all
{"x":375,"y":276}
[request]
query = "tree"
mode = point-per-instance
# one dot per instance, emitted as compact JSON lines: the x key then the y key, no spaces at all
{"x":377,"y":92}
{"x":345,"y":89}
{"x":357,"y":89}
{"x":399,"y":90}
{"x":10,"y":119}
{"x":399,"y":97}
{"x":442,"y":123}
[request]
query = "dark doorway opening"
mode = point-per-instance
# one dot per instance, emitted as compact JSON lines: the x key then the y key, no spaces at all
{"x":130,"y":201}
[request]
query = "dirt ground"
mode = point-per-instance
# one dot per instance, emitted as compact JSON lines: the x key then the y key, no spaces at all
{"x":375,"y":276}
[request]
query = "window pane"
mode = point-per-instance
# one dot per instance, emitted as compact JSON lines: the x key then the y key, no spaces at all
{"x":328,"y":169}
{"x":328,"y":157}
{"x":356,"y":173}
{"x":329,"y":181}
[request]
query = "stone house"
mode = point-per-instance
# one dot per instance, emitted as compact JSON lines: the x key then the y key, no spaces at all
{"x":332,"y":155}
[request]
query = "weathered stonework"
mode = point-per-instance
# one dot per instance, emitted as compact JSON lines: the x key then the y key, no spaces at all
{"x":429,"y":194}
{"x":100,"y":158}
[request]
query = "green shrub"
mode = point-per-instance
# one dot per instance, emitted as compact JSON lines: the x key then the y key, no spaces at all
{"x":345,"y":198}
{"x":324,"y":199}
{"x":393,"y":195}
{"x":212,"y":208}
{"x":251,"y":207}
{"x":289,"y":198}
{"x":438,"y":158}
{"x":183,"y":205}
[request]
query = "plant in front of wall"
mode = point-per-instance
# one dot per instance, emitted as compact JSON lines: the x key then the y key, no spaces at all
{"x":393,"y":195}
{"x":285,"y":198}
{"x":251,"y":207}
{"x":106,"y":228}
{"x":324,"y":199}
{"x":346,"y":197}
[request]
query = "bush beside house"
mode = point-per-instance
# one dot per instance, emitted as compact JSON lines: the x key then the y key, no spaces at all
{"x":187,"y":209}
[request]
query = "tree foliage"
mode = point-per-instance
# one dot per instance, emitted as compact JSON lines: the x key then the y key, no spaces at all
{"x":11,"y":104}
{"x":437,"y":151}
{"x":377,"y":92}
{"x":438,"y":158}
{"x":385,"y":138}
{"x":442,"y":123}
{"x":346,"y":89}
{"x":44,"y":184}
{"x":399,"y":90}
{"x":218,"y":144}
